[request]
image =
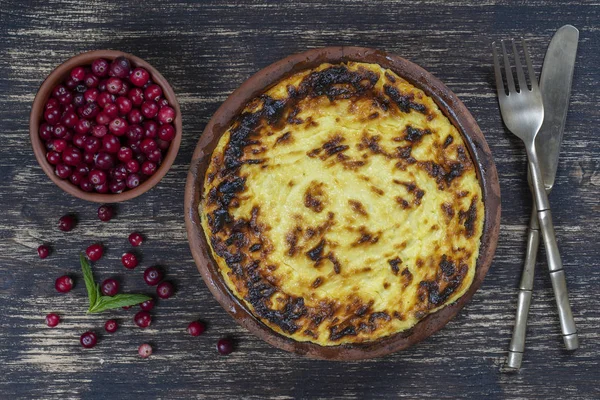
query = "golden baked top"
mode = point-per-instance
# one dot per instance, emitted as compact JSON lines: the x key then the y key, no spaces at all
{"x":342,"y":206}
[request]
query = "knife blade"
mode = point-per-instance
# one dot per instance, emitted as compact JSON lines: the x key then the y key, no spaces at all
{"x":555,"y":85}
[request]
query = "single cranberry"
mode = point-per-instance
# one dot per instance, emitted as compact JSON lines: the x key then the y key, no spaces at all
{"x":102,"y":118}
{"x":77,"y":74}
{"x":120,"y":67}
{"x":150,"y":129}
{"x":58,"y":91}
{"x":111,"y":144}
{"x":71,"y":84}
{"x":92,"y":144}
{"x":109,"y":287}
{"x":104,"y":161}
{"x":71,"y":156}
{"x":148,"y":145}
{"x":129,"y":260}
{"x":78,"y":100}
{"x":148,"y":168}
{"x":133,"y":181}
{"x":116,"y":186}
{"x":162,"y":102}
{"x":91,"y":81}
{"x":120,"y":172}
{"x":99,"y":131}
{"x":139,"y":77}
{"x":145,"y":350}
{"x":114,"y":85}
{"x":51,"y":103}
{"x":135,"y":133}
{"x":153,"y":92}
{"x":124,"y":89}
{"x":105,"y":213}
{"x":65,"y":99}
{"x":143,"y":319}
{"x":225,"y":346}
{"x":149,"y":109}
{"x":63,"y":171}
{"x":134,"y":117}
{"x":102,"y":85}
{"x":165,"y":289}
{"x":100,"y":67}
{"x":59,"y":145}
{"x":105,"y":99}
{"x":125,"y":154}
{"x":147,"y":305}
{"x":196,"y":328}
{"x":118,"y":126}
{"x":124,"y":104}
{"x":111,"y":326}
{"x":132,"y":166}
{"x":88,"y":340}
{"x":83,"y":126}
{"x":76,"y":178}
{"x":166,"y":115}
{"x":52,"y":115}
{"x":63,"y":284}
{"x":66,"y":223}
{"x":53,"y":157}
{"x":70,"y":119}
{"x":155,"y":155}
{"x":52,"y":320}
{"x":91,"y":95}
{"x":111,"y":110}
{"x":60,"y":131}
{"x":136,"y":95}
{"x":89,"y":111}
{"x":94,"y":252}
{"x":166,"y":132}
{"x":43,"y":251}
{"x":102,"y":188}
{"x":86,"y":185}
{"x":136,"y":239}
{"x":153,"y":275}
{"x":47,"y":131}
{"x":82,"y":169}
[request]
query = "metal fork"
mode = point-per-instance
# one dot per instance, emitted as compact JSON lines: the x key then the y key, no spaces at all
{"x":523,"y":114}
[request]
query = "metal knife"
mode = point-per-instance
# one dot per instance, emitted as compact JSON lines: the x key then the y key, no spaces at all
{"x":555,"y":85}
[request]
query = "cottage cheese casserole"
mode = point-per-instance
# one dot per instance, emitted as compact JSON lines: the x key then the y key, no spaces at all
{"x":341,"y":206}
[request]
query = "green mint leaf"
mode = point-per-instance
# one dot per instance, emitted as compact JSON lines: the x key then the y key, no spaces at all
{"x":104,"y":303}
{"x":92,"y":287}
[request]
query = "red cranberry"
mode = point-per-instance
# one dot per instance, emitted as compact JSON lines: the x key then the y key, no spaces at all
{"x":104,"y":161}
{"x":52,"y":320}
{"x":86,"y":185}
{"x":134,"y":117}
{"x":125,"y":154}
{"x":148,"y":145}
{"x":60,"y":131}
{"x":52,"y":116}
{"x":126,"y":307}
{"x":132,"y":166}
{"x":153,"y":275}
{"x":99,"y":131}
{"x":118,"y":126}
{"x":147,"y":305}
{"x":111,"y":144}
{"x":105,"y":99}
{"x":111,"y":110}
{"x":59,"y":145}
{"x":78,"y":100}
{"x":155,"y":155}
{"x":133,"y":181}
{"x":225,"y":346}
{"x":109,"y":287}
{"x":92,"y":145}
{"x":135,"y":147}
{"x":148,"y":168}
{"x":83,"y":126}
{"x":103,"y":188}
{"x":145,"y":350}
{"x":136,"y":95}
{"x":77,"y":74}
{"x":165,"y":289}
{"x":124,"y":89}
{"x":91,"y":95}
{"x":62,"y":171}
{"x":46,"y":131}
{"x":135,"y":133}
{"x":58,"y":91}
{"x":102,"y":85}
{"x":89,"y":111}
{"x":153,"y":92}
{"x":70,"y":119}
{"x":114,"y":85}
{"x":143,"y":319}
{"x":111,"y":326}
{"x":124,"y":104}
{"x":162,"y":102}
{"x":82,"y":169}
{"x":66,"y":223}
{"x":100,"y":67}
{"x":129,"y":260}
{"x":136,"y":239}
{"x":150,"y":129}
{"x":65,"y":99}
{"x":51,"y":103}
{"x":94,"y":252}
{"x":71,"y":156}
{"x":120,"y":67}
{"x":102,"y":118}
{"x":166,"y":115}
{"x":88,"y":340}
{"x":91,"y":81}
{"x":120,"y":172}
{"x":79,"y":140}
{"x":149,"y":109}
{"x":116,"y":186}
{"x":196,"y":328}
{"x":105,"y":213}
{"x":76,"y":178}
{"x":44,"y":251}
{"x":71,"y":84}
{"x":53,"y":157}
{"x":64,"y":284}
{"x":139,"y":77}
{"x":166,"y":132}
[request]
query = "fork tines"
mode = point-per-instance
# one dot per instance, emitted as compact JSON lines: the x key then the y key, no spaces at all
{"x":508,"y":70}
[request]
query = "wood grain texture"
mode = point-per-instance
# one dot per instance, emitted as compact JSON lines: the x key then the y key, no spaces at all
{"x":206,"y":49}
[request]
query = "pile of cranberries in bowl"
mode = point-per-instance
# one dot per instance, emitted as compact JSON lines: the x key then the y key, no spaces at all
{"x":107,"y":127}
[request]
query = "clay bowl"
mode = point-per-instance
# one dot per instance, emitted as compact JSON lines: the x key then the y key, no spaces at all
{"x":36,"y":117}
{"x":452,"y":107}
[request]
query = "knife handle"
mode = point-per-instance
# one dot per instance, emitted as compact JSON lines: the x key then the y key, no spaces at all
{"x":517,"y":343}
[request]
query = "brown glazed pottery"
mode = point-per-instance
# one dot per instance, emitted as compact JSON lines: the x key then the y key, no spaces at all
{"x":452,"y":107}
{"x":37,"y":111}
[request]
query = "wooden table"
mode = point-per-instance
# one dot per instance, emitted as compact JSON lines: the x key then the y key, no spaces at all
{"x":206,"y":49}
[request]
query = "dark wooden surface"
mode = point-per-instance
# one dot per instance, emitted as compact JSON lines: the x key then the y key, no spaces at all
{"x":206,"y":49}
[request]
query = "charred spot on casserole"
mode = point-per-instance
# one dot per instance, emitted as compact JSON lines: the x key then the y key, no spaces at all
{"x":341,"y":206}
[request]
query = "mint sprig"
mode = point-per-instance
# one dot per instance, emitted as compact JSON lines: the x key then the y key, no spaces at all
{"x":98,"y":302}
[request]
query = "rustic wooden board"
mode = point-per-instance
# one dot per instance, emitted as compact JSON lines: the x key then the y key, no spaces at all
{"x":206,"y":49}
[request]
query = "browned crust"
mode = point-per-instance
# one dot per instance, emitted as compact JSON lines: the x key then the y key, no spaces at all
{"x":451,"y":107}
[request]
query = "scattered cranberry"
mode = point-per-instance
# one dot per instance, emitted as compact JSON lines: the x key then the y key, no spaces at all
{"x":145,"y":350}
{"x":43,"y":251}
{"x":153,"y":276}
{"x":165,"y":290}
{"x":225,"y":346}
{"x":196,"y":328}
{"x":105,"y":213}
{"x":104,"y":161}
{"x":136,"y":239}
{"x":64,"y":284}
{"x":94,"y":252}
{"x":111,"y":326}
{"x":147,"y":305}
{"x":52,"y":320}
{"x":129,"y":260}
{"x":88,"y":340}
{"x":143,"y":319}
{"x":66,"y":223}
{"x":109,"y":287}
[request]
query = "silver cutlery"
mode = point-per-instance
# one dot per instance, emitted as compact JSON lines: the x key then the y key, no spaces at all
{"x":555,"y":86}
{"x":523,"y":114}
